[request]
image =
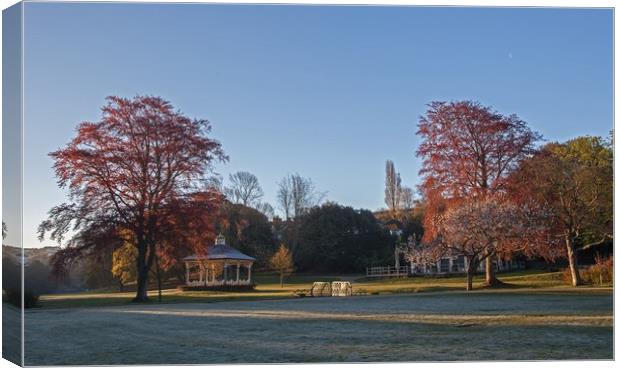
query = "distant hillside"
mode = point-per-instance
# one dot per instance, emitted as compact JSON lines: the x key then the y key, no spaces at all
{"x":30,"y":254}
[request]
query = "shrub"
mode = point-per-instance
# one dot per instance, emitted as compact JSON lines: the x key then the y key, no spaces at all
{"x":14,"y":297}
{"x":600,"y":273}
{"x":567,"y":277}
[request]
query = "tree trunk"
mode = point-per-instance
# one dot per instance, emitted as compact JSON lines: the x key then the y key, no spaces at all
{"x":470,"y":280}
{"x":142,"y":285}
{"x":158,"y":280}
{"x":281,"y":279}
{"x":145,"y":262}
{"x":120,"y":286}
{"x":470,"y":274}
{"x":572,"y":261}
{"x":489,"y":272}
{"x":142,"y":275}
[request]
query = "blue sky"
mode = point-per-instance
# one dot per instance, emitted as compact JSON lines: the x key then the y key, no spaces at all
{"x":329,"y":92}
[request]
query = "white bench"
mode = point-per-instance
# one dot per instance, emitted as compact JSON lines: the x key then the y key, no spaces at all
{"x":342,"y":288}
{"x":321,"y":289}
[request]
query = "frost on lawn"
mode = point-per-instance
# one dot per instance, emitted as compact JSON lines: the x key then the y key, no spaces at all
{"x":419,"y":327}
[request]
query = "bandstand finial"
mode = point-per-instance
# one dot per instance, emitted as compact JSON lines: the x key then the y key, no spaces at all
{"x":220,"y":240}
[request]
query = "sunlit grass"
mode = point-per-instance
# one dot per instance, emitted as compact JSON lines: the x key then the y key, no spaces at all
{"x":268,"y":287}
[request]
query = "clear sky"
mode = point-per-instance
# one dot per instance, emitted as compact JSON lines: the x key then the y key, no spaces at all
{"x":329,"y":92}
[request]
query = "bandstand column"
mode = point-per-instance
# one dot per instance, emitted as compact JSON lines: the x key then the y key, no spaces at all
{"x":186,"y":273}
{"x":225,"y":272}
{"x":250,"y":272}
{"x":238,"y":265}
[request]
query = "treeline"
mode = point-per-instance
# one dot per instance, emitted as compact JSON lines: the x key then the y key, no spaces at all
{"x":322,"y":237}
{"x":35,"y":281}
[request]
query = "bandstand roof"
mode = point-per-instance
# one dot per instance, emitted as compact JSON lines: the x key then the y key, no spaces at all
{"x":220,"y":251}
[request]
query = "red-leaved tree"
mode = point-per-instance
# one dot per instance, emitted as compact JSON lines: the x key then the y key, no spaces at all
{"x":574,"y":182}
{"x":480,"y":228}
{"x":141,"y":172}
{"x":468,"y":150}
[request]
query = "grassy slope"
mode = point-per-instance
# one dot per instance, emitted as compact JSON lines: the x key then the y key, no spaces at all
{"x":268,"y":288}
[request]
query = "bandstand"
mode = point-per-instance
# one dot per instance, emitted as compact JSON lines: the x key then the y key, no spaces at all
{"x":221,"y":266}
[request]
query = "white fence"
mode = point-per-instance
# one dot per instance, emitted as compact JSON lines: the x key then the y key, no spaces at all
{"x":388,"y":271}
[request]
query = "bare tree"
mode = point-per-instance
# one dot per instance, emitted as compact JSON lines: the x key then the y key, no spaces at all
{"x":407,"y":201}
{"x":284,"y":197}
{"x":296,"y":194}
{"x":266,"y":209}
{"x":244,"y":189}
{"x":393,"y":189}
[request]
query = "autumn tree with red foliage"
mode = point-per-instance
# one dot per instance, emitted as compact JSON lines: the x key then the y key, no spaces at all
{"x":468,"y":150}
{"x":574,"y":181}
{"x":480,"y":228}
{"x":142,"y":173}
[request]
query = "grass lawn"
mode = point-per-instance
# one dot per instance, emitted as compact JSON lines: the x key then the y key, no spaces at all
{"x":508,"y":324}
{"x":11,"y":333}
{"x":269,"y":288}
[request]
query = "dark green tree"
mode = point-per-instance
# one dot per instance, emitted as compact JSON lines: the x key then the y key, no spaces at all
{"x":335,"y":238}
{"x":247,"y":230}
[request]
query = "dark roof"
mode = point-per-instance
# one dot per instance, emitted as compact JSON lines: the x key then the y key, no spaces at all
{"x":220,"y":251}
